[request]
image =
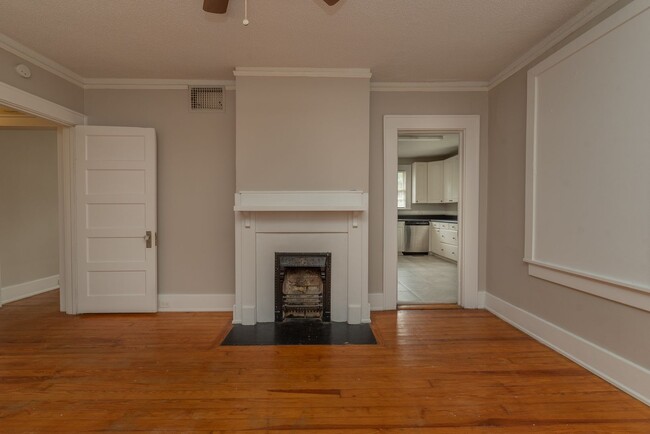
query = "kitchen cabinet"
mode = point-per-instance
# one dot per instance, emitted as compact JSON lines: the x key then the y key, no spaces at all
{"x":443,"y":240}
{"x":434,"y":239}
{"x":419,"y":182}
{"x":451,"y":173}
{"x":435,"y":182}
{"x":400,"y":237}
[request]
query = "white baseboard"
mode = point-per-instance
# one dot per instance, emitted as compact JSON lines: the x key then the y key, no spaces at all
{"x":376,"y":300}
{"x":622,"y":373}
{"x":195,"y":302}
{"x":27,"y":289}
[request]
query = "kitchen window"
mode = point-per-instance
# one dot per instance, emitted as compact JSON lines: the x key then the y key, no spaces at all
{"x":404,"y":187}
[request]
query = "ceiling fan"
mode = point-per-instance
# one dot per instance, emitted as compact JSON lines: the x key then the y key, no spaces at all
{"x":221,"y":6}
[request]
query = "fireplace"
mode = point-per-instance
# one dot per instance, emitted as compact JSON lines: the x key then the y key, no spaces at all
{"x":335,"y":222}
{"x":303,"y":286}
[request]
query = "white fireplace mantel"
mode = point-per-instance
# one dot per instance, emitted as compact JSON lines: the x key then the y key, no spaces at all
{"x":301,"y":201}
{"x":300,"y":221}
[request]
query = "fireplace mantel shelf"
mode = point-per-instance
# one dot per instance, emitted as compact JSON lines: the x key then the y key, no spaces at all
{"x":265,"y":201}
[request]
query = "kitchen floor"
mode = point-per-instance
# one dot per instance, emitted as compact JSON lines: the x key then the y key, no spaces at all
{"x":426,"y":279}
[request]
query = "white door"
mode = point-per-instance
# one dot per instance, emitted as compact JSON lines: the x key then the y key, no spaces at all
{"x":115,"y":178}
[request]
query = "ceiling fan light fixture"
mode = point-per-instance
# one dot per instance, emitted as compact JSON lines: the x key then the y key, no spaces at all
{"x":221,"y":6}
{"x":215,"y":6}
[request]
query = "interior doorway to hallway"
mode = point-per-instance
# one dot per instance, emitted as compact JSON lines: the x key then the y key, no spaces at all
{"x":29,"y":214}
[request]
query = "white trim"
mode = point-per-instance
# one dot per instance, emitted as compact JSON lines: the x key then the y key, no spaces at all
{"x":630,"y":295}
{"x":301,"y":201}
{"x":24,"y":101}
{"x":587,"y":14}
{"x":583,"y":17}
{"x":376,"y":300}
{"x":39,"y":60}
{"x":152,"y":83}
{"x":622,"y":373}
{"x":433,"y":86}
{"x":249,"y":225}
{"x":481,"y":299}
{"x":195,"y":302}
{"x":28,"y":289}
{"x":616,"y":290}
{"x":302,"y":72}
{"x":468,"y":206}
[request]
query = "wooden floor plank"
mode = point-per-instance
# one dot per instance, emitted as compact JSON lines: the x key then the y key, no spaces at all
{"x":443,"y":371}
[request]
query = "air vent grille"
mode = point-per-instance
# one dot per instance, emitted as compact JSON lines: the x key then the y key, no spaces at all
{"x":207,"y":98}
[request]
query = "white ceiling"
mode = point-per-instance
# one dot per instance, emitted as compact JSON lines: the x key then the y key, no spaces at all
{"x":434,"y":145}
{"x":399,"y":40}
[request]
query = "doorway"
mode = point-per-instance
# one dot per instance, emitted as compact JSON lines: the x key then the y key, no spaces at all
{"x":115,"y":162}
{"x":63,"y":118}
{"x":467,"y":128}
{"x":29,"y":249}
{"x":427,"y":217}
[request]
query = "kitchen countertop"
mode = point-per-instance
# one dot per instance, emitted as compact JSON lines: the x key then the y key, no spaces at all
{"x":432,"y":217}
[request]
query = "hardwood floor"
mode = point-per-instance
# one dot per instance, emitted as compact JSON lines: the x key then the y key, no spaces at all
{"x":442,"y":371}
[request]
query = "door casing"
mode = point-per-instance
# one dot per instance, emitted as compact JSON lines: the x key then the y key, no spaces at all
{"x":468,"y":207}
{"x":26,"y":102}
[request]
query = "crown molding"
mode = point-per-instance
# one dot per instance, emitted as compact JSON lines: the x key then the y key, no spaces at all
{"x":433,"y":86}
{"x":152,"y":84}
{"x":18,"y":99}
{"x":18,"y":49}
{"x":583,"y":17}
{"x":303,"y":72}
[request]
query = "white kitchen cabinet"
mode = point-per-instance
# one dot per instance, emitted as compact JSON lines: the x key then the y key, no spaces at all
{"x":443,"y":240}
{"x":434,"y":239}
{"x":419,"y":177}
{"x":435,"y":182}
{"x":451,"y":173}
{"x":400,"y":237}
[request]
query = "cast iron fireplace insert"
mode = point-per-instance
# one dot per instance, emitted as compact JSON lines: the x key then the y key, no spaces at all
{"x":303,"y":286}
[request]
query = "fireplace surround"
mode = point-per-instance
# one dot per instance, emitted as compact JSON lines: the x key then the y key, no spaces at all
{"x":301,"y":222}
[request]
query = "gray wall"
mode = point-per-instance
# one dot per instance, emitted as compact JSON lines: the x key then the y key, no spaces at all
{"x":621,"y":329}
{"x":299,"y":133}
{"x":41,"y":83}
{"x":418,"y":103}
{"x":196,"y":183}
{"x":29,"y":248}
{"x":196,"y":171}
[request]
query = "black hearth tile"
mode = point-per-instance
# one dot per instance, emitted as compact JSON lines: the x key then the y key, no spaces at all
{"x":300,"y":332}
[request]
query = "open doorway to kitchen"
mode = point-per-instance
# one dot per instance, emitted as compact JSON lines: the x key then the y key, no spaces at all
{"x":428,"y":181}
{"x":468,"y":129}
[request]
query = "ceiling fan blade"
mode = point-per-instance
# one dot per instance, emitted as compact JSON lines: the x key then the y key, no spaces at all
{"x":216,"y":6}
{"x":331,"y":2}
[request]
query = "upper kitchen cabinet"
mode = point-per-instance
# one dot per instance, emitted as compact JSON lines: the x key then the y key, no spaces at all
{"x":435,"y":182}
{"x":419,"y":177}
{"x":451,"y":175}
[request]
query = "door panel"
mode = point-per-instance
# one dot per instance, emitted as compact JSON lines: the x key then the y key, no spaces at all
{"x":115,"y":169}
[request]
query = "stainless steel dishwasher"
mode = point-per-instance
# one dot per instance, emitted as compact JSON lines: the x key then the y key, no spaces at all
{"x":416,"y":236}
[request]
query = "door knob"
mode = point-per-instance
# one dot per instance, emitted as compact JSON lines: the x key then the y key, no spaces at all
{"x":147,"y":239}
